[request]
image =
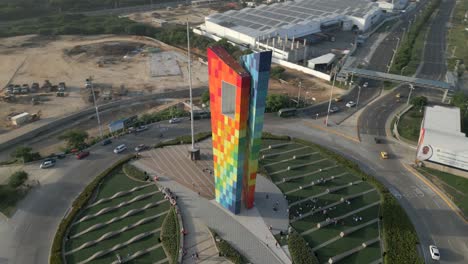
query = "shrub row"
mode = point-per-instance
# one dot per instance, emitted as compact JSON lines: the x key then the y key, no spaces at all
{"x":267,"y":135}
{"x":134,"y":172}
{"x":9,"y":197}
{"x":406,"y":49}
{"x":184,"y":139}
{"x":226,"y":250}
{"x":80,"y":201}
{"x":300,"y":251}
{"x":398,"y":231}
{"x":17,"y":179}
{"x":170,"y":235}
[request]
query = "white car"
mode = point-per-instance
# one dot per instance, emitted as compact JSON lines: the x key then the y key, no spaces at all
{"x":141,"y":128}
{"x":175,"y":120}
{"x":140,"y":147}
{"x":434,"y":252}
{"x":365,"y":85}
{"x":350,"y":104}
{"x":334,"y":109}
{"x":47,"y":164}
{"x":120,"y":148}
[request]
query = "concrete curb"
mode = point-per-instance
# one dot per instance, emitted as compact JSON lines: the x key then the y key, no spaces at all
{"x":434,"y":188}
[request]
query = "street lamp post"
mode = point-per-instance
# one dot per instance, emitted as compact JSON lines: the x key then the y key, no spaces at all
{"x":409,"y":96}
{"x":190,"y":85}
{"x":402,"y":69}
{"x":394,"y":53}
{"x":96,"y":107}
{"x":299,"y":94}
{"x":329,"y":102}
{"x":358,"y":94}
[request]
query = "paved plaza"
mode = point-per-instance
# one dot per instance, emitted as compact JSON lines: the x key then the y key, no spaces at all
{"x":251,"y":232}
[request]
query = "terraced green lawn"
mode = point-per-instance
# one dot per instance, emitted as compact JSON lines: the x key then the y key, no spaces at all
{"x":325,"y":196}
{"x":112,"y":184}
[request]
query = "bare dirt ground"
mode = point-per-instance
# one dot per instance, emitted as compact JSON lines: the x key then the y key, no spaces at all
{"x":310,"y":88}
{"x":112,"y":61}
{"x":196,"y":15}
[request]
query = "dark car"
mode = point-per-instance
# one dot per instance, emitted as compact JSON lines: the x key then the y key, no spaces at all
{"x":106,"y":141}
{"x":82,"y":155}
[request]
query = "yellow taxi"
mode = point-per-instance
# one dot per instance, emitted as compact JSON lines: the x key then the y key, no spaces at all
{"x":384,"y":155}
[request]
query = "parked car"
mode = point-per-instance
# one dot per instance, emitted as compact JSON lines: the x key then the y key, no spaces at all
{"x":75,"y":150}
{"x":334,"y":109}
{"x":120,"y":148}
{"x":140,"y":147}
{"x":434,"y":252}
{"x":60,"y":155}
{"x":47,"y":163}
{"x":141,"y":128}
{"x":106,"y":141}
{"x":365,"y":85}
{"x":350,"y":104}
{"x":175,"y":120}
{"x":82,"y":155}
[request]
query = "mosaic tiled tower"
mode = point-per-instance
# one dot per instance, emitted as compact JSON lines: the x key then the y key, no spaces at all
{"x":258,"y":65}
{"x":237,"y":102}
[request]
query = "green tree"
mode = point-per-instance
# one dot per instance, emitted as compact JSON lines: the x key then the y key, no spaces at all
{"x":205,"y":97}
{"x":275,"y":102}
{"x":276,"y":72}
{"x":419,"y":102}
{"x":75,"y":138}
{"x":17,"y":179}
{"x":25,"y":154}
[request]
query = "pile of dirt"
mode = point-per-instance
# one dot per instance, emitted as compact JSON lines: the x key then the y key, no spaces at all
{"x":106,"y":49}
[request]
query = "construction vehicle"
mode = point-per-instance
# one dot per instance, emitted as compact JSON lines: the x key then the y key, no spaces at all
{"x":36,"y":116}
{"x":34,"y":87}
{"x":62,"y":87}
{"x":9,"y":98}
{"x":9,"y":88}
{"x":17,"y":89}
{"x":46,"y":86}
{"x":25,"y":89}
{"x":35,"y":100}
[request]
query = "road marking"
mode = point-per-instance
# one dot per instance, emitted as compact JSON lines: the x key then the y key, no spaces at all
{"x":436,"y":203}
{"x":435,"y":189}
{"x":395,"y":192}
{"x":417,"y":191}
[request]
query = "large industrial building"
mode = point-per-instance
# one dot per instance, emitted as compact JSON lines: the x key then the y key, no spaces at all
{"x":442,"y":145}
{"x":288,"y":28}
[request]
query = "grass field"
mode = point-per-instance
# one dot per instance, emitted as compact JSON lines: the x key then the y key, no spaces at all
{"x":455,"y":187}
{"x":409,"y":125}
{"x":458,"y":36}
{"x":118,"y":221}
{"x":320,"y":191}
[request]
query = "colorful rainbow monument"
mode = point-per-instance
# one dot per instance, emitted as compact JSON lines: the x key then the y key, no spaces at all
{"x":237,"y":102}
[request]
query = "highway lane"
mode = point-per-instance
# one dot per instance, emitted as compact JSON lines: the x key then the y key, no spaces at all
{"x":27,"y":236}
{"x":434,"y":65}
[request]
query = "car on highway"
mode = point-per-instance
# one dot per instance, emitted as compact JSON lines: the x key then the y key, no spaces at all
{"x":434,"y":252}
{"x":338,"y":99}
{"x":141,"y":128}
{"x":350,"y":104}
{"x":47,"y":163}
{"x":175,"y":120}
{"x":106,"y":141}
{"x":365,"y":85}
{"x":383,"y":155}
{"x":82,"y":155}
{"x":334,"y":109}
{"x":140,"y":147}
{"x":120,"y":148}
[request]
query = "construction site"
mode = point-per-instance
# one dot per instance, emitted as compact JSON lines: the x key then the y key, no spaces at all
{"x":53,"y":77}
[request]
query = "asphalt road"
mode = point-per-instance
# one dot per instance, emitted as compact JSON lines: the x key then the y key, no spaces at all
{"x":434,"y":65}
{"x":27,"y":236}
